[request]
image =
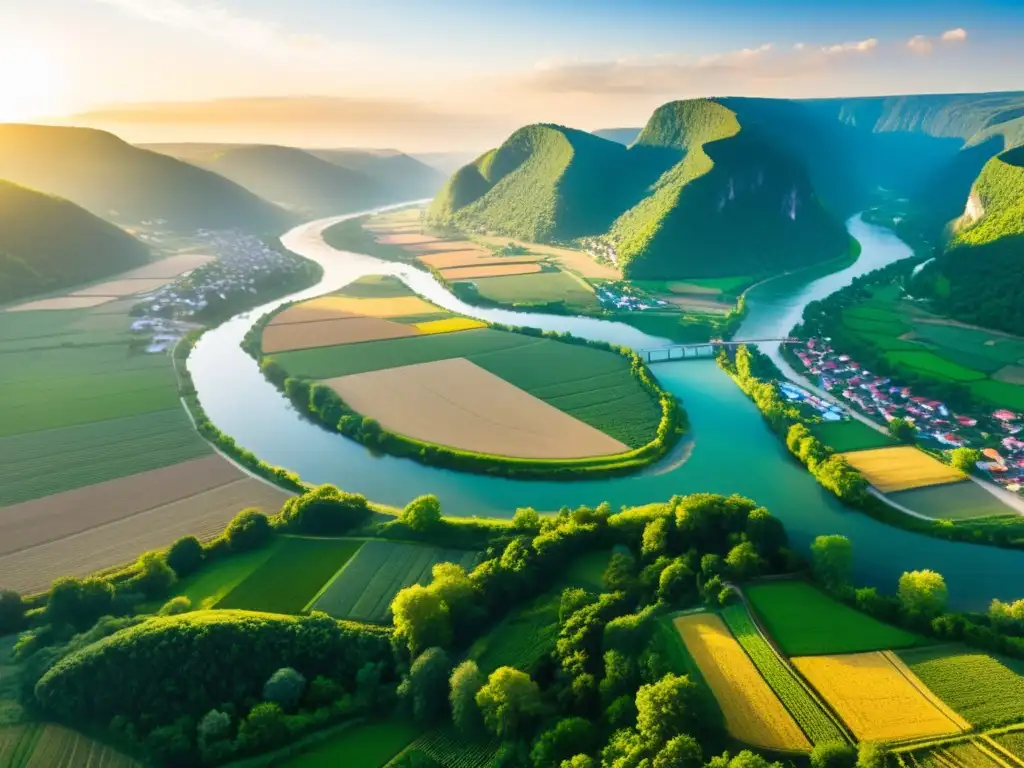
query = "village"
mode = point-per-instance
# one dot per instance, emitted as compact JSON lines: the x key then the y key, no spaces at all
{"x":995,"y":433}
{"x":244,"y":265}
{"x":623,"y":297}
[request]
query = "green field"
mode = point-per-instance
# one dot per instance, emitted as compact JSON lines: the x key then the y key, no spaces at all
{"x":287,"y":580}
{"x":367,"y":585}
{"x":537,"y":288}
{"x":999,"y":393}
{"x":40,"y":463}
{"x":591,"y":384}
{"x":934,"y":365}
{"x":852,"y":435}
{"x":962,"y":754}
{"x":1012,"y":741}
{"x":985,"y":690}
{"x":216,"y":579}
{"x":804,"y":621}
{"x":54,"y":746}
{"x":953,"y":501}
{"x":376,"y":287}
{"x":448,"y":748}
{"x":361,"y":746}
{"x":811,"y":718}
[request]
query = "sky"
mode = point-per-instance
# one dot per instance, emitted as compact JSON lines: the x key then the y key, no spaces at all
{"x":444,"y":75}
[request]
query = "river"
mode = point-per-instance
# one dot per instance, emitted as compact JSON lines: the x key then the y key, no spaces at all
{"x":732,"y":450}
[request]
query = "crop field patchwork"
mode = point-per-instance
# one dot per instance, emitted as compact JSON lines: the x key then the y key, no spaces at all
{"x":879,"y":698}
{"x":972,"y":753}
{"x":489,"y":270}
{"x":449,"y":325}
{"x":952,"y":501}
{"x":364,"y":745}
{"x":541,"y":288}
{"x":364,"y":589}
{"x":811,"y":718}
{"x":36,"y":745}
{"x":851,"y":435}
{"x":448,"y":748}
{"x":376,"y":287}
{"x":753,"y":713}
{"x":291,"y":577}
{"x":329,"y":333}
{"x":1012,"y":742}
{"x":803,"y":621}
{"x":60,"y":303}
{"x":901,"y":468}
{"x":930,"y":363}
{"x":985,"y":690}
{"x":475,"y":258}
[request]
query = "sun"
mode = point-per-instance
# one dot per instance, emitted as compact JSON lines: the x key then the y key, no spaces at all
{"x":29,"y":83}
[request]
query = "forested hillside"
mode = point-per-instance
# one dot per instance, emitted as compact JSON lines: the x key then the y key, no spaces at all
{"x":128,"y":185}
{"x":48,"y":243}
{"x":398,"y":175}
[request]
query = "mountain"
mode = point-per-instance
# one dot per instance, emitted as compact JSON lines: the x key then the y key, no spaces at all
{"x":445,"y":162}
{"x":621,"y":135}
{"x":697,"y":194}
{"x":129,"y":185}
{"x":401,"y":176}
{"x":47,"y":243}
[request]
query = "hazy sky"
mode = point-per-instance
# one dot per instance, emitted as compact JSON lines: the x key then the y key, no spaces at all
{"x":460,"y":74}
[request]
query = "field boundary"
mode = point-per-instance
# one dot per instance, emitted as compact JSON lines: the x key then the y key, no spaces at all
{"x":337,"y":574}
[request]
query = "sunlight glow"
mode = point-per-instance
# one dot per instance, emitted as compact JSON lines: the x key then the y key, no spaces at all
{"x":30,"y":83}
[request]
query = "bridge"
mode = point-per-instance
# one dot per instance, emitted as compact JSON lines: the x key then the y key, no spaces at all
{"x":704,"y":349}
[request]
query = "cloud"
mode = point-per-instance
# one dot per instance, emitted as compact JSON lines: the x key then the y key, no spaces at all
{"x":920,"y":44}
{"x":957,"y":35}
{"x":860,"y":46}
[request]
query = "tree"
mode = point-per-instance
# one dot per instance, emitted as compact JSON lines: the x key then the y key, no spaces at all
{"x":965,"y":459}
{"x":526,"y":520}
{"x":832,"y":559}
{"x":833,"y":755}
{"x":677,"y":583}
{"x":326,"y":510}
{"x":464,"y":683}
{"x":683,"y":751}
{"x":78,"y":602}
{"x":743,"y":561}
{"x":655,"y":538}
{"x":250,"y":529}
{"x":155,"y":576}
{"x":620,"y":573}
{"x":426,"y":686}
{"x":12,"y":611}
{"x":214,"y":726}
{"x":264,"y":727}
{"x":176,"y":606}
{"x":422,"y":618}
{"x":579,"y":761}
{"x":508,"y":702}
{"x":766,"y":532}
{"x":572,"y":599}
{"x":871,"y":754}
{"x":922,"y":593}
{"x":185,"y":556}
{"x":285,"y":687}
{"x":566,"y":738}
{"x":422,"y":514}
{"x":902,"y":430}
{"x":671,"y":706}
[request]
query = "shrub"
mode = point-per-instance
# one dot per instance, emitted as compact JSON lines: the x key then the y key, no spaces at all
{"x":285,"y":687}
{"x":325,"y":510}
{"x":12,"y":612}
{"x":249,"y":529}
{"x":154,"y":577}
{"x":78,"y":603}
{"x":422,"y":514}
{"x":185,"y":556}
{"x":264,"y":727}
{"x":176,"y":606}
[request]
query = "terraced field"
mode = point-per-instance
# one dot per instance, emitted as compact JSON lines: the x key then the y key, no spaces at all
{"x":811,"y":718}
{"x":364,"y":589}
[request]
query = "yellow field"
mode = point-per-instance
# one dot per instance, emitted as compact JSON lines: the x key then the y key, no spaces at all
{"x":878,"y":697}
{"x":901,"y":468}
{"x":449,"y":325}
{"x":324,"y":308}
{"x":396,"y":307}
{"x":753,"y":713}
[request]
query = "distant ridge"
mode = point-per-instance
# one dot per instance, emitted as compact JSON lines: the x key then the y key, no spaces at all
{"x":621,"y":135}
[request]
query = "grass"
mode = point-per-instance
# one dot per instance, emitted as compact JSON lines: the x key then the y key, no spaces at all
{"x":291,"y":576}
{"x":538,"y":288}
{"x":41,"y":463}
{"x":805,"y":710}
{"x":999,"y":393}
{"x":850,"y":435}
{"x":805,"y":621}
{"x":986,"y":690}
{"x":902,"y":468}
{"x":952,"y":501}
{"x":933,"y":365}
{"x":365,"y":746}
{"x":215,"y":580}
{"x":364,"y":589}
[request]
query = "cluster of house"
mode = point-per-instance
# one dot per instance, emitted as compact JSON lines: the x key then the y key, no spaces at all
{"x":625,"y":298}
{"x":880,"y":397}
{"x":827,"y":410}
{"x":243,"y":262}
{"x":600,"y":249}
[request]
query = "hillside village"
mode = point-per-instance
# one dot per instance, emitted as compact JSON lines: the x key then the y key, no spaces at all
{"x":877,"y":396}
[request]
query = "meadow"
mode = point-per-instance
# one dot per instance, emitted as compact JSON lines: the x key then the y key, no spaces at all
{"x":985,"y":690}
{"x":952,"y":501}
{"x":849,"y":435}
{"x":809,"y":715}
{"x":287,"y":580}
{"x":753,"y":713}
{"x":878,"y":698}
{"x":804,"y":620}
{"x":215,"y":580}
{"x":369,"y":745}
{"x":901,"y":468}
{"x":364,"y":588}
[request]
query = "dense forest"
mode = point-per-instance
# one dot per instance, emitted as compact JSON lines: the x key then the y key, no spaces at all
{"x":48,"y":243}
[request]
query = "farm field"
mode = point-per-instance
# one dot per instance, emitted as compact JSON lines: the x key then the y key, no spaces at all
{"x":449,"y":325}
{"x":460,"y":405}
{"x":470,"y":257}
{"x":878,"y":697}
{"x":804,"y":621}
{"x":985,"y":690}
{"x":203,"y":515}
{"x":368,"y":745}
{"x":528,"y":289}
{"x":328,"y":333}
{"x":573,"y":260}
{"x":215,"y":580}
{"x":287,"y":580}
{"x":449,"y":749}
{"x":37,"y":745}
{"x":1012,"y":742}
{"x":972,"y":753}
{"x":952,"y":501}
{"x":490,"y":270}
{"x":850,"y":435}
{"x":901,"y":468}
{"x":364,"y":589}
{"x":809,"y":715}
{"x":753,"y":713}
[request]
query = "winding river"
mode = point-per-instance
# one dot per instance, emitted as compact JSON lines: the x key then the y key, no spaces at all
{"x":730,"y":449}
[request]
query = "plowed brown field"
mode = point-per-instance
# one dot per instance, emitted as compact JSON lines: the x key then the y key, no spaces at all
{"x":405,"y":238}
{"x":458,"y":404}
{"x":61,"y":302}
{"x":122,"y":287}
{"x":330,"y":333}
{"x":172,"y":266}
{"x":496,"y":270}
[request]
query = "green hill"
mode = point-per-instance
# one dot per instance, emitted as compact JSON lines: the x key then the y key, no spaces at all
{"x":400,"y":176}
{"x":47,"y":243}
{"x":129,"y":185}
